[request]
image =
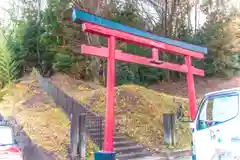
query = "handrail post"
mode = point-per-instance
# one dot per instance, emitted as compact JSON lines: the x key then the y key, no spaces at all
{"x":100,"y":134}
{"x":169,"y":129}
{"x":74,"y":137}
{"x":78,"y":137}
{"x":82,"y":134}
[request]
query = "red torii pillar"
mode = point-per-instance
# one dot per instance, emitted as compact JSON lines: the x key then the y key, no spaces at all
{"x":112,"y":54}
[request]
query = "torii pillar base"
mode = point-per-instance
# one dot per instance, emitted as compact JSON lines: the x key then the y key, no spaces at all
{"x":103,"y":155}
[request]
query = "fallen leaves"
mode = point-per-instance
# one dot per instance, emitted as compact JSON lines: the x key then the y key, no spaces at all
{"x":139,"y":113}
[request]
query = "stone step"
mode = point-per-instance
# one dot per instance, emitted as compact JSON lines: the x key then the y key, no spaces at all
{"x":159,"y":156}
{"x":93,"y":129}
{"x":150,"y":158}
{"x":118,"y":138}
{"x":124,"y":143}
{"x":94,"y":126}
{"x":97,"y":129}
{"x":94,"y":118}
{"x":128,"y":149}
{"x":132,"y":155}
{"x":95,"y":134}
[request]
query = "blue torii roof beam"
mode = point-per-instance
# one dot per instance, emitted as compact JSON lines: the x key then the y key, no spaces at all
{"x":79,"y":15}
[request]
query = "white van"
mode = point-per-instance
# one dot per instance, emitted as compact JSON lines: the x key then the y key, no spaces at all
{"x":216,"y":128}
{"x":8,"y":146}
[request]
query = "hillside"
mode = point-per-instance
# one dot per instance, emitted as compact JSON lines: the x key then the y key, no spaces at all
{"x":137,"y":108}
{"x":139,"y":113}
{"x":202,"y":85}
{"x":43,"y":122}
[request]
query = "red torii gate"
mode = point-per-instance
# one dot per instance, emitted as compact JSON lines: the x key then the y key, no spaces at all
{"x":114,"y":31}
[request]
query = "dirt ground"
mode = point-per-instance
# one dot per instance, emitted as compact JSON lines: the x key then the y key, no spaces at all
{"x":202,"y":86}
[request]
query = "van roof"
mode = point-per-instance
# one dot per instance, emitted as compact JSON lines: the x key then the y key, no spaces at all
{"x":224,"y":91}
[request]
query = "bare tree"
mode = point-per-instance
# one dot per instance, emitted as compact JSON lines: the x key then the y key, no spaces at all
{"x":95,"y":7}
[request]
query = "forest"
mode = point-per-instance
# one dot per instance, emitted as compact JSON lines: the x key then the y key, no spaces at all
{"x":41,"y":33}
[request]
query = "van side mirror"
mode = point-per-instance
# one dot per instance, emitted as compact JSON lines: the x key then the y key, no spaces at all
{"x":15,"y":141}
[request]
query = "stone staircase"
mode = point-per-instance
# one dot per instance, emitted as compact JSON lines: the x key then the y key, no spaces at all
{"x":124,"y":147}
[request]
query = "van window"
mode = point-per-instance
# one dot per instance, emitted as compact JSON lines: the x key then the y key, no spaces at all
{"x":218,"y":109}
{"x":6,"y":135}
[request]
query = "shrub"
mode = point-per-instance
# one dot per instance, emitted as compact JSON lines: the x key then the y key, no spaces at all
{"x":62,"y":62}
{"x":9,"y":67}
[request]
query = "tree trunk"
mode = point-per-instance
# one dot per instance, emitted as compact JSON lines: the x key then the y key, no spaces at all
{"x":165,"y":55}
{"x":189,"y":9}
{"x":170,"y":20}
{"x":196,"y":18}
{"x":165,"y":17}
{"x":95,"y":7}
{"x":170,"y":33}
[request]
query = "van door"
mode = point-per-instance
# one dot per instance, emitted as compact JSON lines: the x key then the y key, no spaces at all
{"x":216,"y":126}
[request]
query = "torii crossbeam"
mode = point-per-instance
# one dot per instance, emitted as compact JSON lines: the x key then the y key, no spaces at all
{"x":115,"y":31}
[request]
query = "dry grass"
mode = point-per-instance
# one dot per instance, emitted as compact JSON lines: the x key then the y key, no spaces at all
{"x":44,"y":123}
{"x":139,"y":113}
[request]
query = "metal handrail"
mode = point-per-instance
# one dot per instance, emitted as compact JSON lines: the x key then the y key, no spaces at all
{"x":70,"y":106}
